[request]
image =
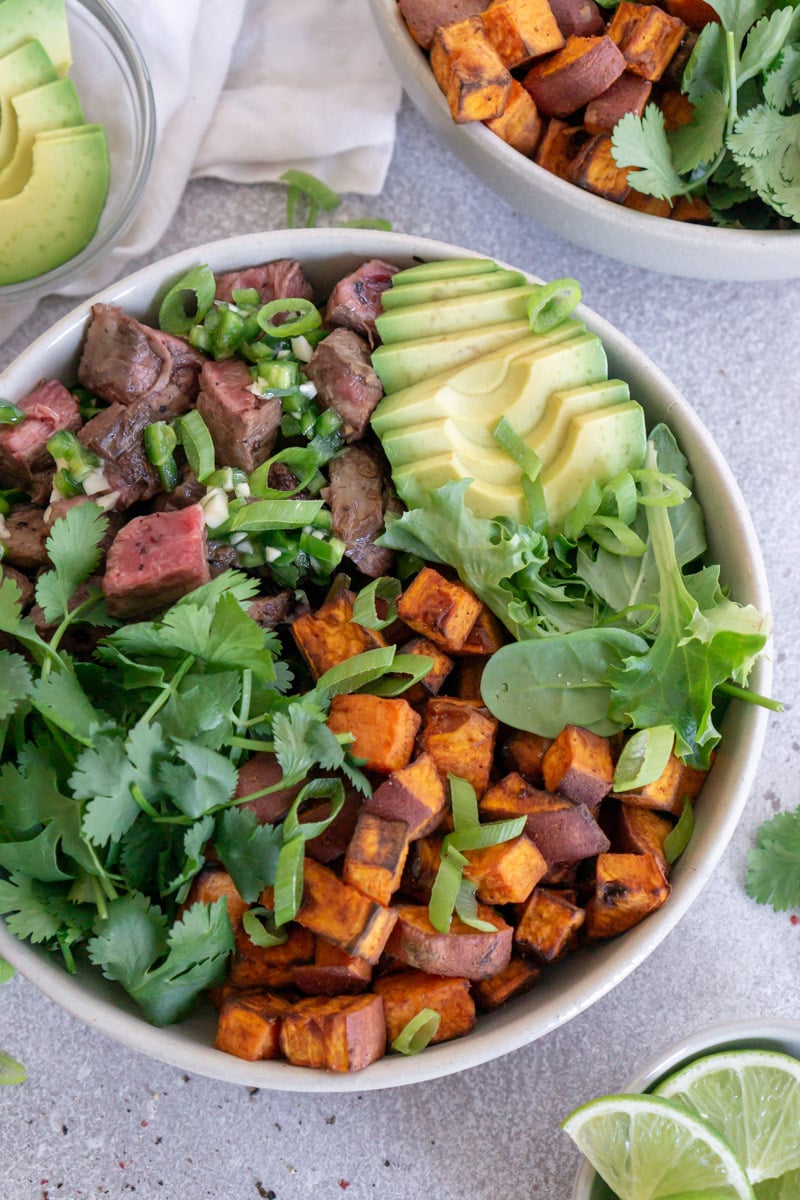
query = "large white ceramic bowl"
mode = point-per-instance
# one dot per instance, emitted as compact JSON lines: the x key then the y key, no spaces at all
{"x":782,"y":1036}
{"x":671,"y":247}
{"x":572,"y":986}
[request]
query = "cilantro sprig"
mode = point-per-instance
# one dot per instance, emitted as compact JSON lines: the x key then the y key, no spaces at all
{"x":740,"y":150}
{"x":773,"y":864}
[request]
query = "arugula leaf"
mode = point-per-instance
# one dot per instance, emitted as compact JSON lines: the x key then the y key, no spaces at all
{"x":73,"y":548}
{"x":641,"y":142}
{"x":247,"y":850}
{"x":773,"y":864}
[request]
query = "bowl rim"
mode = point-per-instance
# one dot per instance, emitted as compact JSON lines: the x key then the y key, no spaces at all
{"x":748,"y":1033}
{"x":491,"y":1038}
{"x":587,"y":220}
{"x":106,"y":237}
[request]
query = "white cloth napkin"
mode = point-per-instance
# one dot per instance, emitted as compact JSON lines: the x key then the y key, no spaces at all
{"x":245,"y":89}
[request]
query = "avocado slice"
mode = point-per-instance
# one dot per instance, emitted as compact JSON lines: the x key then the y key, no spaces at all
{"x":57,"y":212}
{"x":548,"y":436}
{"x":459,"y":312}
{"x":27,"y":67}
{"x":415,"y":444}
{"x":427,"y":291}
{"x":405,"y":363}
{"x":21,"y":20}
{"x":599,"y":444}
{"x":53,"y":106}
{"x":445,"y":268}
{"x":415,"y":481}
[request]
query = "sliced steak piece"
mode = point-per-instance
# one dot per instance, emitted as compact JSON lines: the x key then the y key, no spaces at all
{"x":271,"y":611}
{"x":115,"y":435}
{"x":154,"y":560}
{"x":22,"y":581}
{"x":187,"y":491}
{"x":355,"y":302}
{"x":221,"y":557}
{"x":243,"y":426}
{"x":357,"y":497}
{"x":272,"y":281}
{"x":124,"y":362}
{"x":341,"y":370}
{"x":24,"y":534}
{"x":24,"y":460}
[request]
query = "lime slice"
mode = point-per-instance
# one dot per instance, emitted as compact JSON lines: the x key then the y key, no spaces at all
{"x":753,"y":1098}
{"x":647,"y":1148}
{"x":785,"y":1188}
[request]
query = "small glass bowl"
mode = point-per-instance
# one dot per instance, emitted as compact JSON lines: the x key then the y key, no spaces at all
{"x":106,"y":61}
{"x":751,"y":1034}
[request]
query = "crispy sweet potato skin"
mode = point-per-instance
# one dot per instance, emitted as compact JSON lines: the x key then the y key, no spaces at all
{"x":463,"y":951}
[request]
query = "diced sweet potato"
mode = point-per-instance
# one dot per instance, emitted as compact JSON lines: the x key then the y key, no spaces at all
{"x":470,"y":72}
{"x":524,"y":752}
{"x":469,"y":672}
{"x":440,"y":609}
{"x":415,"y":794}
{"x":330,"y":635}
{"x":331,"y":844}
{"x":628,"y":887}
{"x":521,"y":30}
{"x":375,"y":857}
{"x":332,"y":973}
{"x":250,"y":1026}
{"x":460,"y":737}
{"x":384,"y":729}
{"x":594,"y":168}
{"x":578,"y":764}
{"x":406,"y":993}
{"x":628,"y":94}
{"x":464,"y":951}
{"x":422,"y":865}
{"x":564,"y":832}
{"x":666,"y":793}
{"x":337,"y":1033}
{"x":487,"y":634}
{"x":269,"y":966}
{"x":210,"y":883}
{"x":647,"y":36}
{"x":547,"y":927}
{"x":634,"y":830}
{"x":264,"y":771}
{"x":519,"y":125}
{"x":691,"y":208}
{"x":423,"y":16}
{"x":694,"y":13}
{"x":559,"y":145}
{"x":431,"y":685}
{"x":647,"y":204}
{"x":514,"y":980}
{"x":336,"y":911}
{"x":565,"y":81}
{"x":581,"y":17}
{"x":506,"y":873}
{"x":678,"y":109}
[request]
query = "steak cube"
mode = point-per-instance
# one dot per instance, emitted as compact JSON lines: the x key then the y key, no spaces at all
{"x":273,"y":280}
{"x":341,"y":370}
{"x":154,"y":560}
{"x":24,"y":460}
{"x":243,"y":425}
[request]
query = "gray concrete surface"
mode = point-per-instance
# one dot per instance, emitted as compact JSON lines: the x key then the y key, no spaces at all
{"x":95,"y":1119}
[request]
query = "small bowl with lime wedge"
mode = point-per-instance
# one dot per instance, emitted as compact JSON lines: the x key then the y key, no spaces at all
{"x":715,"y":1114}
{"x":78,"y":119}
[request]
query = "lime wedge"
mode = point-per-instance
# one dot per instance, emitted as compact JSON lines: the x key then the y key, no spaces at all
{"x":785,"y":1188}
{"x":648,"y":1148}
{"x":753,"y":1098}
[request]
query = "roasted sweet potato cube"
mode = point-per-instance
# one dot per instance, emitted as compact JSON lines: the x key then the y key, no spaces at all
{"x":384,"y":729}
{"x":579,"y":765}
{"x":376,"y":855}
{"x":506,"y":873}
{"x":255,"y":966}
{"x":211,"y":883}
{"x":487,"y":634}
{"x":628,"y":94}
{"x":422,"y":865}
{"x":330,"y":635}
{"x":460,"y":737}
{"x":628,"y":887}
{"x":647,"y":36}
{"x":468,"y":675}
{"x":695,"y":209}
{"x":336,"y":911}
{"x":521,"y":30}
{"x":581,"y":17}
{"x":523,"y":752}
{"x":422,"y":16}
{"x":666,"y":793}
{"x":513,"y":796}
{"x":337,"y":1033}
{"x":332,"y":973}
{"x":563,"y":831}
{"x":547,"y":926}
{"x":594,"y":168}
{"x":678,"y":109}
{"x":331,"y":844}
{"x":515,"y":979}
{"x":694,"y":13}
{"x":406,"y":993}
{"x":519,"y":125}
{"x":432,"y":684}
{"x":565,"y":81}
{"x":464,"y":951}
{"x":634,"y":830}
{"x":260,"y":772}
{"x":415,"y":794}
{"x":647,"y":204}
{"x":249,"y":1026}
{"x":559,"y":144}
{"x":470,"y":72}
{"x":440,"y":609}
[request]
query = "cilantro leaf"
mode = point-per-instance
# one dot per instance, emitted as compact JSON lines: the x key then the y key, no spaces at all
{"x":783,"y":79}
{"x":105,"y":773}
{"x":764,"y":42}
{"x":641,"y":142}
{"x":28,"y":906}
{"x":773,"y":864}
{"x":705,"y":70}
{"x":16,"y":683}
{"x":73,"y":548}
{"x":200,"y":781}
{"x":194,"y":843}
{"x":60,"y":698}
{"x":32,"y":804}
{"x":202,"y":708}
{"x":702,"y":139}
{"x":247,"y":850}
{"x":766,"y":144}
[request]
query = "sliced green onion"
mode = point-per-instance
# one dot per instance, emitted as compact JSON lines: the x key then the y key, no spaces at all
{"x":11,"y":1071}
{"x":615,"y":536}
{"x":418,"y":1033}
{"x":316,"y":193}
{"x":302,"y":316}
{"x":300,"y":460}
{"x":552,"y":304}
{"x":6,"y":971}
{"x":644,"y":757}
{"x":585,"y":508}
{"x":537,"y":507}
{"x":259,"y":925}
{"x":356,"y":672}
{"x":680,"y":835}
{"x":367,"y":223}
{"x":187,"y":301}
{"x":264,"y":515}
{"x":246,"y":297}
{"x":365,"y":611}
{"x":278,"y":373}
{"x":160,"y":441}
{"x":71,"y":456}
{"x":445,"y":889}
{"x":509,"y":440}
{"x":407,"y":669}
{"x":9,"y":497}
{"x":327,"y":552}
{"x":463,"y":802}
{"x":288,"y":890}
{"x":660,"y":490}
{"x":479,"y":837}
{"x":10,"y":414}
{"x":227,"y":478}
{"x":467,"y":908}
{"x":89,"y":405}
{"x":315,"y":789}
{"x":197,"y":444}
{"x":228,"y":332}
{"x":621,"y":490}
